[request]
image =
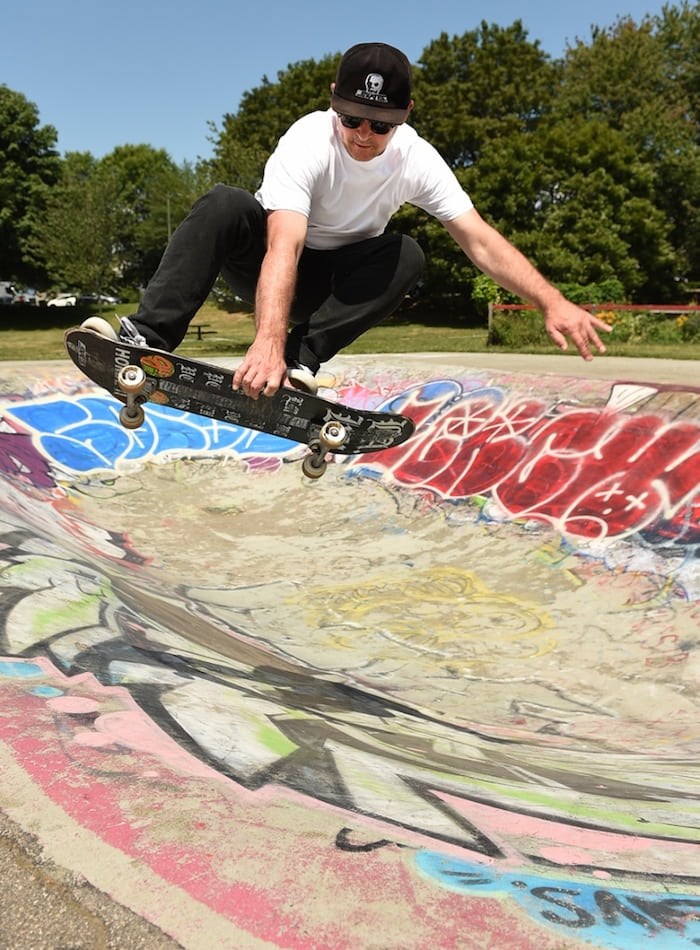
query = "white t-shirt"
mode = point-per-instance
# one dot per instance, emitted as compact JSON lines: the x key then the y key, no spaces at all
{"x":346,"y":200}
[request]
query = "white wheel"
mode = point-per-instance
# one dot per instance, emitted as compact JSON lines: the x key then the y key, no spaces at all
{"x":131,"y":418}
{"x":333,"y":434}
{"x":313,"y":465}
{"x":101,"y":326}
{"x":131,"y":379}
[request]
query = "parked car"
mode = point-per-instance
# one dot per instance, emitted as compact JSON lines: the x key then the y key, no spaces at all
{"x":7,"y":292}
{"x":27,"y":296}
{"x":62,"y":300}
{"x":92,"y":300}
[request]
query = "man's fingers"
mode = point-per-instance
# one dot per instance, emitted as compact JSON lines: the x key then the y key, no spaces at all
{"x":254,"y":383}
{"x":558,"y":338}
{"x":585,"y":340}
{"x":580,"y":341}
{"x":597,"y":342}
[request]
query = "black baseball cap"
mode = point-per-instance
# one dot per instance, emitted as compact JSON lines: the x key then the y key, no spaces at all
{"x":373,"y":82}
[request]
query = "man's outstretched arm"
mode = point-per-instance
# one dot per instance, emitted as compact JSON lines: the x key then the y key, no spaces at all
{"x":504,"y":263}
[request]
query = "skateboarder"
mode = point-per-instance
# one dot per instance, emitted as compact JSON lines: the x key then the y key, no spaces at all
{"x":310,"y":249}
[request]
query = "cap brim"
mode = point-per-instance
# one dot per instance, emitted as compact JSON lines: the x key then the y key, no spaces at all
{"x":362,"y":111}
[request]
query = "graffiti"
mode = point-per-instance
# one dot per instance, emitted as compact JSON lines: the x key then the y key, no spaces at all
{"x":590,"y":472}
{"x":83,"y":435}
{"x":607,"y":916}
{"x":19,"y":458}
{"x":102,"y":729}
{"x":530,"y":535}
{"x":341,"y":744}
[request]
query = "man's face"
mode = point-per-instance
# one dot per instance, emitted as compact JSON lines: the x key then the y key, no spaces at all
{"x":362,"y":143}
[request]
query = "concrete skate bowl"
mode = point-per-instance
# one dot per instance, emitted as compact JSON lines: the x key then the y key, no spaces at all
{"x":444,"y":696}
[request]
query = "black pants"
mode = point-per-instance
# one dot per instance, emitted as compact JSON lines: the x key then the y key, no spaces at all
{"x":339,"y":295}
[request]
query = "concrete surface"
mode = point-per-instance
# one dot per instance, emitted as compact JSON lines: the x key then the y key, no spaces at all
{"x":445,"y":696}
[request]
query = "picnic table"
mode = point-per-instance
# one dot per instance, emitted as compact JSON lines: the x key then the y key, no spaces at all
{"x":200,"y":329}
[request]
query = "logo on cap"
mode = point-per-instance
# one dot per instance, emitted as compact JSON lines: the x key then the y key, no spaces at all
{"x":372,"y":92}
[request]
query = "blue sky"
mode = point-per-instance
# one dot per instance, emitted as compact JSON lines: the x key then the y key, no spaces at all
{"x":107,"y":74}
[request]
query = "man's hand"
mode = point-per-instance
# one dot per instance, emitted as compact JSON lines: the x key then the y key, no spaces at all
{"x":262,"y":371}
{"x":566,"y":319}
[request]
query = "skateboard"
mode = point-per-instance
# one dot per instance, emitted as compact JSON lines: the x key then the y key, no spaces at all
{"x":136,"y":375}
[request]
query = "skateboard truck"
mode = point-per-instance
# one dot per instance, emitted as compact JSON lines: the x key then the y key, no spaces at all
{"x":132,"y":381}
{"x":331,"y":436}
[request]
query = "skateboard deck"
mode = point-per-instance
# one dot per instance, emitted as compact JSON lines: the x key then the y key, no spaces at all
{"x":136,"y":375}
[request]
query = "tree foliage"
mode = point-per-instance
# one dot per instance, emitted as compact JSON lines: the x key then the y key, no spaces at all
{"x":153,"y":196}
{"x":74,"y":235}
{"x":589,"y":163}
{"x":29,"y":166}
{"x":488,"y":83}
{"x":642,"y":82}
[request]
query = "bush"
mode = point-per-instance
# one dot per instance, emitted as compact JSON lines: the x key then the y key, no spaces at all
{"x":688,"y":325}
{"x":524,"y":328}
{"x":518,"y":328}
{"x":657,"y":328}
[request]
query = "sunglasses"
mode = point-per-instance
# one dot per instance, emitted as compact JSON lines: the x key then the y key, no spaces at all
{"x":354,"y":122}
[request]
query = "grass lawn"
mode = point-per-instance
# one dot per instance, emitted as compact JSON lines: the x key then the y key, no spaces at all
{"x":29,"y":333}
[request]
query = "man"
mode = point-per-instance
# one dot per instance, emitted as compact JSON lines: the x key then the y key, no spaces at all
{"x":310,"y":248}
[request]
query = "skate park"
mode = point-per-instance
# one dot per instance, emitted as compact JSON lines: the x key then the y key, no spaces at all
{"x":445,"y":695}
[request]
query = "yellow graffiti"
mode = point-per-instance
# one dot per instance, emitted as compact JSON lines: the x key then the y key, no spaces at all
{"x":444,"y":612}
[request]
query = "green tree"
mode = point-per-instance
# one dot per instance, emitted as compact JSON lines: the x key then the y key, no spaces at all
{"x":642,"y":81}
{"x":29,"y":166}
{"x":488,"y":83}
{"x":588,"y":165}
{"x":678,"y":32}
{"x":107,"y":222}
{"x":153,"y":195}
{"x":74,"y":235}
{"x":578,"y":200}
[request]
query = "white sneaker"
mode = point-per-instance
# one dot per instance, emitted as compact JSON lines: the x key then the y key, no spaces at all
{"x":301,"y":377}
{"x":101,"y":326}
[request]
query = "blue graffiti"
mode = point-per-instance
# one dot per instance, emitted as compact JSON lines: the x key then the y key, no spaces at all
{"x":46,"y":692}
{"x":84,"y":434}
{"x":20,"y":669}
{"x":604,"y":916}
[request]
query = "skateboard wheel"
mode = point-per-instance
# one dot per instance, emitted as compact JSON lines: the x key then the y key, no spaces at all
{"x":101,"y":326}
{"x":131,"y":379}
{"x":131,"y":417}
{"x":333,"y":434}
{"x":314,"y":465}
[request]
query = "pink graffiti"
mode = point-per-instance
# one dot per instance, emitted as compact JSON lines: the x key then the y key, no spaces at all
{"x":589,"y":471}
